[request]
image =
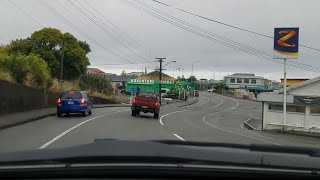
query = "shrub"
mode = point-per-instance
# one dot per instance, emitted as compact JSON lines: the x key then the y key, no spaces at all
{"x":18,"y":66}
{"x":95,"y":83}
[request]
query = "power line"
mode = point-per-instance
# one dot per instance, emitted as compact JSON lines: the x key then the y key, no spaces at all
{"x":111,"y":64}
{"x":72,"y":26}
{"x":89,"y":37}
{"x":103,"y":28}
{"x":127,"y":36}
{"x":24,"y":12}
{"x":298,"y":65}
{"x":229,"y":25}
{"x":221,"y":37}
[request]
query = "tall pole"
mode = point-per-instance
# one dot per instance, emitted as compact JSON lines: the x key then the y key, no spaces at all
{"x":160,"y":77}
{"x":61,"y":61}
{"x":284,"y":94}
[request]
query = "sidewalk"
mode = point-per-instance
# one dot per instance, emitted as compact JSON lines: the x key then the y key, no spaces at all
{"x":24,"y":117}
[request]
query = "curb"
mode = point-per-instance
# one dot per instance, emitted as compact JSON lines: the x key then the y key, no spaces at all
{"x":193,"y":102}
{"x":28,"y":120}
{"x":247,"y":125}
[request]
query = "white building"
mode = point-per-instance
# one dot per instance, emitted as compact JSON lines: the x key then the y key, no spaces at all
{"x":303,"y":107}
{"x":246,"y":81}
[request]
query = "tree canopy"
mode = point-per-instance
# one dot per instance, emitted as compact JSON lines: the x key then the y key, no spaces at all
{"x":49,"y":44}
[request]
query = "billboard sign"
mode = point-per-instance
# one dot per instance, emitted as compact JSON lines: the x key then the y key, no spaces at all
{"x":286,"y":43}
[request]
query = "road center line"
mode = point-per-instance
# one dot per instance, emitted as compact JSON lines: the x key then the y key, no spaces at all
{"x":160,"y":120}
{"x":229,"y":131}
{"x":201,"y":103}
{"x":74,"y":127}
{"x":179,"y":137}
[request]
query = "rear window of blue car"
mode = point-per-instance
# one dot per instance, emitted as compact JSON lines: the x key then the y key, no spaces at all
{"x":71,"y":95}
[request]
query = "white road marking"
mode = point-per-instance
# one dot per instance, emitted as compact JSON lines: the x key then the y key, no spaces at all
{"x":229,"y":131}
{"x":179,"y":137}
{"x":221,"y":102}
{"x":201,"y":104}
{"x":74,"y":127}
{"x":160,"y":120}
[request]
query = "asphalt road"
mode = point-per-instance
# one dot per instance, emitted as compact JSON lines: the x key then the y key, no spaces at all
{"x":214,"y":118}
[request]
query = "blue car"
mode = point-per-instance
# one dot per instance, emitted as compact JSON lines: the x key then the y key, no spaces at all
{"x":74,"y":102}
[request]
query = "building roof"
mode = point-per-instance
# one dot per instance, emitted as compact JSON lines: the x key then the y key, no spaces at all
{"x":117,"y":78}
{"x":304,"y":83}
{"x":244,"y":76}
{"x":154,"y":75}
{"x":96,"y":71}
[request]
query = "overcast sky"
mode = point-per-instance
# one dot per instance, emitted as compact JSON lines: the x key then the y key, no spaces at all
{"x":162,"y":39}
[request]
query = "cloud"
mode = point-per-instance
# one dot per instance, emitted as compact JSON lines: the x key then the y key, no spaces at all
{"x":165,"y":40}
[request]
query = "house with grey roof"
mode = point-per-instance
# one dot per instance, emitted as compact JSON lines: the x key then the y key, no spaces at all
{"x":303,"y":108}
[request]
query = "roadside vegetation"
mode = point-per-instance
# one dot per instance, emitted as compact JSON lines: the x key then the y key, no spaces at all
{"x":35,"y":62}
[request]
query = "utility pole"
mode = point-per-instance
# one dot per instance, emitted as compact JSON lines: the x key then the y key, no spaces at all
{"x":194,"y":90}
{"x":61,"y":60}
{"x":160,"y":76}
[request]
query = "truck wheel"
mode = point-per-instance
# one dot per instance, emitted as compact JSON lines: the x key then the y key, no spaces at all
{"x":133,"y":113}
{"x":156,"y":115}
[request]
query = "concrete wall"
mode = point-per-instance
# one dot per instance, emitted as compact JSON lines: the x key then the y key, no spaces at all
{"x":19,"y":98}
{"x":297,"y":121}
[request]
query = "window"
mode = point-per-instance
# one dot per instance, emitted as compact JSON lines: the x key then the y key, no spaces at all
{"x":315,"y":110}
{"x":290,"y":108}
{"x":253,"y":81}
{"x":71,"y":95}
{"x":147,"y":94}
{"x":246,"y":81}
{"x":239,"y":80}
{"x":232,"y":80}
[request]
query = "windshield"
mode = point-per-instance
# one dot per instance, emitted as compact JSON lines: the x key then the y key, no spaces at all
{"x":222,"y":71}
{"x":147,"y":94}
{"x":71,"y":95}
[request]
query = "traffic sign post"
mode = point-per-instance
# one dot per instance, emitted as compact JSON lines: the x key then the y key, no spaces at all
{"x":286,"y":44}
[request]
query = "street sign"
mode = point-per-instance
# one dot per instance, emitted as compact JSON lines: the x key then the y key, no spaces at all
{"x":134,"y":90}
{"x":286,"y":43}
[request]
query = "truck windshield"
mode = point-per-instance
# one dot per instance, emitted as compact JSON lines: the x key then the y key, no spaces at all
{"x":147,"y":94}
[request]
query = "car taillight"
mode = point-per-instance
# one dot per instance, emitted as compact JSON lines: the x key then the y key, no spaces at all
{"x":133,"y":100}
{"x":59,"y":101}
{"x":156,"y":103}
{"x":82,"y":101}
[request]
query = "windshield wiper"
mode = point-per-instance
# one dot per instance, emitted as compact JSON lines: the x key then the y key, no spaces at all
{"x":314,"y":152}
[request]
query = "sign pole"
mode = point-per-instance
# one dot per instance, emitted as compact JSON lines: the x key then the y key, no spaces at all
{"x":284,"y":94}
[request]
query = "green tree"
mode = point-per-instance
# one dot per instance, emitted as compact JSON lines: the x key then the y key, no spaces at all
{"x":219,"y":87}
{"x":40,"y":71}
{"x":22,"y":46}
{"x":95,"y":83}
{"x":18,"y":66}
{"x":49,"y":44}
{"x":85,"y":46}
{"x":192,"y":79}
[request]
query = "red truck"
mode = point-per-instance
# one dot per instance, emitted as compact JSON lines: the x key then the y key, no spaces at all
{"x":147,"y":102}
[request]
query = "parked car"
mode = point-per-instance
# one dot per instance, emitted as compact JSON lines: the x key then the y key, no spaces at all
{"x":196,"y":93}
{"x":147,"y":102}
{"x":210,"y":90}
{"x":74,"y":102}
{"x":164,"y":92}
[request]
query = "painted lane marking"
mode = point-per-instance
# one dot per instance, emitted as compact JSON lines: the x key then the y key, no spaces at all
{"x":160,"y":120}
{"x":179,"y":137}
{"x":232,"y":132}
{"x":74,"y":127}
{"x":201,"y":104}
